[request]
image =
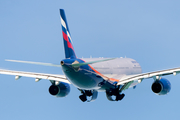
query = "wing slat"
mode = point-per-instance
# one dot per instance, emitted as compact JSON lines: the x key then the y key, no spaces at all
{"x":53,"y":77}
{"x":129,"y":78}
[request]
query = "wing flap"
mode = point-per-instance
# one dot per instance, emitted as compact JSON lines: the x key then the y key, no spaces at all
{"x":60,"y":78}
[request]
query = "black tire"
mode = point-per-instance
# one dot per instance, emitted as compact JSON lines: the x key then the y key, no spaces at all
{"x":83,"y":98}
{"x":120,"y":97}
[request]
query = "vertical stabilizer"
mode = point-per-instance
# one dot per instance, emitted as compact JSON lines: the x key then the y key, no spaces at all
{"x":68,"y":46}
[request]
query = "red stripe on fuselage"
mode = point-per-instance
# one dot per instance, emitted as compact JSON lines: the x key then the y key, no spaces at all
{"x":67,"y":39}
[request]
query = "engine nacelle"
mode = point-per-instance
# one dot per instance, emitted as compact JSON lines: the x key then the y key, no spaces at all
{"x":60,"y":90}
{"x":161,"y":87}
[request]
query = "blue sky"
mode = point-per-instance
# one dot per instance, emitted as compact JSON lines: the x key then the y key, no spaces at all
{"x":147,"y":31}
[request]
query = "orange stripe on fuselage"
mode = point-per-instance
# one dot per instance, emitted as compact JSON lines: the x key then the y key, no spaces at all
{"x":95,"y":70}
{"x":112,"y":79}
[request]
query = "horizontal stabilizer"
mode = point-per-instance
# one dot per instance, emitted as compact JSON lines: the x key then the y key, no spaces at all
{"x":36,"y":63}
{"x":86,"y":63}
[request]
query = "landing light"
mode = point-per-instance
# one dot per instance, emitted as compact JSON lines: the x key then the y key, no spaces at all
{"x":139,"y":80}
{"x":57,"y":83}
{"x":174,"y":73}
{"x":17,"y":77}
{"x":37,"y":80}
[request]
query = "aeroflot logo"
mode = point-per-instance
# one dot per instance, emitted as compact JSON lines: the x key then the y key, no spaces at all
{"x":67,"y":40}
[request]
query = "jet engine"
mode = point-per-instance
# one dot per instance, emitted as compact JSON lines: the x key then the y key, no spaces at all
{"x":161,"y":87}
{"x":60,"y":90}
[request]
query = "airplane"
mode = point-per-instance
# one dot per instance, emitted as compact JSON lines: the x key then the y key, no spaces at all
{"x":93,"y":75}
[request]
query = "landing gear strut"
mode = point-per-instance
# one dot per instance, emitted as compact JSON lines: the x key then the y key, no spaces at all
{"x":119,"y":97}
{"x":83,"y":97}
{"x":88,"y":93}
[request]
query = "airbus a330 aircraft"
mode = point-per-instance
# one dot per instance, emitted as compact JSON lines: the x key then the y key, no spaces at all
{"x":110,"y":75}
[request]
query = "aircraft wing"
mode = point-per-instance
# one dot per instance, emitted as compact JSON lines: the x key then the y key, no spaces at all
{"x":37,"y":76}
{"x":155,"y":75}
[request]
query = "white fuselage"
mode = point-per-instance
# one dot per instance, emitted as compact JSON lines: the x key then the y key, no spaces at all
{"x":90,"y":77}
{"x":118,"y":67}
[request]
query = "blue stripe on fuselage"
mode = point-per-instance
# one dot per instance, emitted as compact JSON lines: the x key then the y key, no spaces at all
{"x":84,"y":78}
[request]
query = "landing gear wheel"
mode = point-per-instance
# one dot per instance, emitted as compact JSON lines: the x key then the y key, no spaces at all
{"x":83,"y":98}
{"x":88,"y":93}
{"x":120,"y":97}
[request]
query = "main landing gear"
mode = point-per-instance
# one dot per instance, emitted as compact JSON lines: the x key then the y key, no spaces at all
{"x":119,"y":97}
{"x":83,"y":97}
{"x":88,"y":93}
{"x":116,"y":93}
